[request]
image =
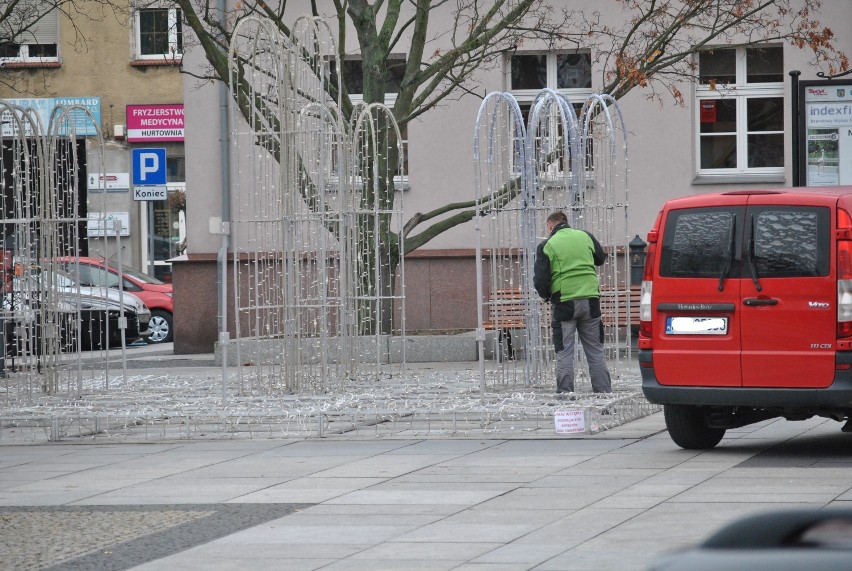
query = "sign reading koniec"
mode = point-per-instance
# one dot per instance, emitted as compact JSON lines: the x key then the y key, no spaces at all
{"x":146,"y":123}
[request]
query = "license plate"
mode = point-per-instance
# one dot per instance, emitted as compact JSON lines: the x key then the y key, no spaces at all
{"x":696,"y":325}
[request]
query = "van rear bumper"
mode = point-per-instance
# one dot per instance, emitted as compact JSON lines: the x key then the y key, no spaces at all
{"x":838,"y":395}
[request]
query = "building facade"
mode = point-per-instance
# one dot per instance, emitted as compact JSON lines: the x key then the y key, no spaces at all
{"x":121,"y":63}
{"x":732,"y":130}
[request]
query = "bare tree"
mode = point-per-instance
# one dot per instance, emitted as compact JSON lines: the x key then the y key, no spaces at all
{"x":652,"y":50}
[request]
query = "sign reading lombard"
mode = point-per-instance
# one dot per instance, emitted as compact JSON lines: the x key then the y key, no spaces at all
{"x":85,"y":117}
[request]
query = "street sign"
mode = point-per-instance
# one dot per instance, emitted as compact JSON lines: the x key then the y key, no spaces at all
{"x":108,"y":181}
{"x":150,"y":193}
{"x":149,"y":167}
{"x":103,"y":224}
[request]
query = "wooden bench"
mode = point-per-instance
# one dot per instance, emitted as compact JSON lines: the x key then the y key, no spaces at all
{"x":621,"y":310}
{"x":507,"y":310}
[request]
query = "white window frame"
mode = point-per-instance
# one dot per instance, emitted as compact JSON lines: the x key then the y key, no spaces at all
{"x":173,"y":53}
{"x":43,"y":32}
{"x":390,"y":98}
{"x":575,"y":96}
{"x":399,"y":182}
{"x":526,"y":96}
{"x":741,"y":92}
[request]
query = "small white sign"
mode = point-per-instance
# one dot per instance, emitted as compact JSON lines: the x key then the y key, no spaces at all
{"x":150,"y":193}
{"x":103,"y":224}
{"x":108,"y":181}
{"x":569,"y":421}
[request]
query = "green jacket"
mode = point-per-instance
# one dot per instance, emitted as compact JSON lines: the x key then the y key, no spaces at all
{"x":565,"y":265}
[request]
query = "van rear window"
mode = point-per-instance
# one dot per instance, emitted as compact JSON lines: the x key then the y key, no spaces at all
{"x":782,"y":241}
{"x":791,"y":241}
{"x":698,"y":242}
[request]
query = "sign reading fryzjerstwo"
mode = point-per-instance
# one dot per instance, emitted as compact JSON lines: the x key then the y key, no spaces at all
{"x":828,"y":120}
{"x":149,"y":123}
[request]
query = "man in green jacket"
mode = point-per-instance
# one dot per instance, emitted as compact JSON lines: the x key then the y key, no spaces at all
{"x":565,"y":274}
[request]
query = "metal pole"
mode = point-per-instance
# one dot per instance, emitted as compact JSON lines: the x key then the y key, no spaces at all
{"x":480,"y":330}
{"x":794,"y":113}
{"x":222,"y":258}
{"x":122,"y":318}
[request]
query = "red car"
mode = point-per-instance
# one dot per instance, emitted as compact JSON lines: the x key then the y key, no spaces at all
{"x":156,"y":294}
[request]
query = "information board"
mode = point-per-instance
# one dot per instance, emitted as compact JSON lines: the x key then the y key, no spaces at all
{"x":827,"y":110}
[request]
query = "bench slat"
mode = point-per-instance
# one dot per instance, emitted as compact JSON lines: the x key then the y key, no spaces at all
{"x":507,"y":309}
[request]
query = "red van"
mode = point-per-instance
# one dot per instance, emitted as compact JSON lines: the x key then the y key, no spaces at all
{"x":746,"y":310}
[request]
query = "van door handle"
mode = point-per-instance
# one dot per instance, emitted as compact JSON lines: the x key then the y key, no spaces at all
{"x":754,"y":301}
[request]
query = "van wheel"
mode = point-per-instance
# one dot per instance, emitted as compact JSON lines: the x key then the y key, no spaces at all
{"x":688,"y":427}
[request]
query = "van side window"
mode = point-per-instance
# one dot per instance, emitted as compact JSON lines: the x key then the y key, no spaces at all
{"x":697,"y":242}
{"x":791,"y":241}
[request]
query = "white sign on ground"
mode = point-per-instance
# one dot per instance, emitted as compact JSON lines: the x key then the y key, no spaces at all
{"x":569,"y":421}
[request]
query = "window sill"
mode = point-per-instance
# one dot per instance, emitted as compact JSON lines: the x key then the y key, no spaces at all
{"x":31,"y":65}
{"x":155,"y":62}
{"x":740,"y":178}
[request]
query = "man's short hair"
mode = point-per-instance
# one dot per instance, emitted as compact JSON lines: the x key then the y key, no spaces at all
{"x":559,"y":217}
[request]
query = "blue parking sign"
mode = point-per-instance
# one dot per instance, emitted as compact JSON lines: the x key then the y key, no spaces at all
{"x":149,"y":167}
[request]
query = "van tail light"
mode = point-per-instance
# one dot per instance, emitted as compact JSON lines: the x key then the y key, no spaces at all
{"x":645,"y":315}
{"x":844,"y":274}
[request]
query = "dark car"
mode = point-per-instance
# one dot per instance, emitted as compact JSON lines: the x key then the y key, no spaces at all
{"x":53,"y":301}
{"x":785,"y":540}
{"x":155,"y":294}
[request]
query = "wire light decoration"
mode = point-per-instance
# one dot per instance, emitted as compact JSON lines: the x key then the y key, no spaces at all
{"x":523,"y":172}
{"x":375,"y":213}
{"x":502,"y":185}
{"x":49,"y":318}
{"x":317,"y":291}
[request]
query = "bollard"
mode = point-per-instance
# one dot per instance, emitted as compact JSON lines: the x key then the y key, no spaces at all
{"x":637,"y":260}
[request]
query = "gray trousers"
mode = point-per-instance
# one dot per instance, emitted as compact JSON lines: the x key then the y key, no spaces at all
{"x":589,"y":330}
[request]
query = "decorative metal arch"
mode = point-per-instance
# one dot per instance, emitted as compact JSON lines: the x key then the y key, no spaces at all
{"x":43,"y":218}
{"x":303,"y":214}
{"x":570,"y":164}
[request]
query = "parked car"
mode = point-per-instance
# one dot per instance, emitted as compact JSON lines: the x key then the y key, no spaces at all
{"x":746,"y":310}
{"x":779,"y":540}
{"x":27,"y":301}
{"x":156,"y":294}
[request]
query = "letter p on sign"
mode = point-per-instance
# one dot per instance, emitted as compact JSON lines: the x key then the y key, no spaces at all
{"x":148,"y":163}
{"x":149,"y":167}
